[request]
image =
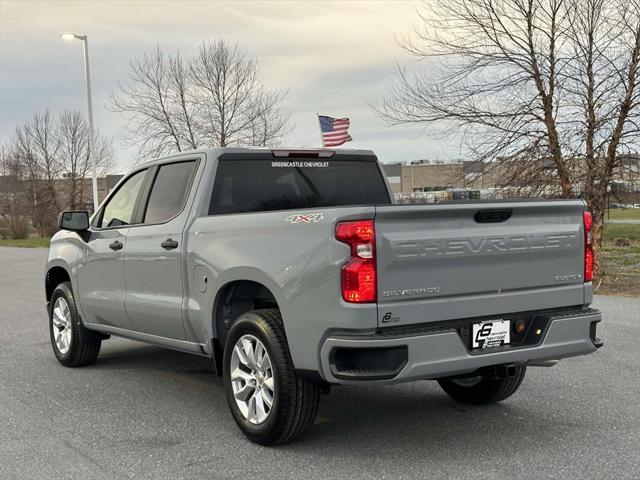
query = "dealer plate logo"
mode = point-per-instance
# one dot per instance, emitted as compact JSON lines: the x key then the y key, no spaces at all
{"x":492,"y":333}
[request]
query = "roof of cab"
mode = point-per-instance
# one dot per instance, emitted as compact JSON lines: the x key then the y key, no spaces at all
{"x":215,"y":152}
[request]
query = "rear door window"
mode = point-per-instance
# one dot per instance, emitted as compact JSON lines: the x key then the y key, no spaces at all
{"x":263,"y":185}
{"x":169,"y":191}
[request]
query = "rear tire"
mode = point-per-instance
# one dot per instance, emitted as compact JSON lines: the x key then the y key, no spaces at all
{"x":257,"y":338}
{"x":483,"y":390}
{"x":73,"y":345}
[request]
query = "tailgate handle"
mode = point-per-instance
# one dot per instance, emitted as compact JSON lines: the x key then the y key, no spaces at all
{"x":492,"y":216}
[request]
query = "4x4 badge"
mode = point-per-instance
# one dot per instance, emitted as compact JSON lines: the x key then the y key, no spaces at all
{"x":310,"y":218}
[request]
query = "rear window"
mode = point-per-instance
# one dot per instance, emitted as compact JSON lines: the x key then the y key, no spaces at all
{"x":169,"y":191}
{"x":264,"y":185}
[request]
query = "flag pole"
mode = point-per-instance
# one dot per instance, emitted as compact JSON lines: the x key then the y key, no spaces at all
{"x":320,"y":127}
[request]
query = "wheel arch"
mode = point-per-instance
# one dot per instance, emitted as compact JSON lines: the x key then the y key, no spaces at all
{"x":55,"y":275}
{"x":237,"y":297}
{"x":234,"y":298}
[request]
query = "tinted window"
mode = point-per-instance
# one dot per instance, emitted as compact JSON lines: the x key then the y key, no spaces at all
{"x":169,"y":191}
{"x":262,"y":185}
{"x":119,"y":210}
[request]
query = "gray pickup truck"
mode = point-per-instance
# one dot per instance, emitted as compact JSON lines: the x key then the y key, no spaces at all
{"x":293,"y":271}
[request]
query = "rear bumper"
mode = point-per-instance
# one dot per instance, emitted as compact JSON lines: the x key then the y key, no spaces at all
{"x":432,"y":353}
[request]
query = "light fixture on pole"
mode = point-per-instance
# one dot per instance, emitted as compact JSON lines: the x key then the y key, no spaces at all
{"x":85,"y":47}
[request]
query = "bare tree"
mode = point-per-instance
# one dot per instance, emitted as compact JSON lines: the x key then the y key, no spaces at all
{"x":44,"y":136}
{"x":543,"y":86}
{"x":269,"y":125}
{"x":30,"y":156}
{"x":233,"y":99}
{"x":14,"y":198}
{"x":215,"y":98}
{"x":49,"y":158}
{"x":156,"y":102}
{"x":74,"y":156}
{"x":186,"y":110}
{"x":603,"y":80}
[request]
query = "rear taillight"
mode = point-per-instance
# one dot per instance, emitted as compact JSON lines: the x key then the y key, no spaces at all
{"x":358,"y":276}
{"x":588,"y":249}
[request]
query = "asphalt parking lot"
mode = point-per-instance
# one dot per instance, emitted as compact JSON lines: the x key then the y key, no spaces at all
{"x":145,"y":412}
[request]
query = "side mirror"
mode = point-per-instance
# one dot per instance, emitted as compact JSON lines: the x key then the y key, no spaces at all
{"x":75,"y":221}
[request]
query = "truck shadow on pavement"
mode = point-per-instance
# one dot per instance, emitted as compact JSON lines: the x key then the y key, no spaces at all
{"x":132,"y":355}
{"x":385,"y":418}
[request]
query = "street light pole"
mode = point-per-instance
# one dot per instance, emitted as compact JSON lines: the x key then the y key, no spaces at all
{"x":85,"y":48}
{"x":92,"y":156}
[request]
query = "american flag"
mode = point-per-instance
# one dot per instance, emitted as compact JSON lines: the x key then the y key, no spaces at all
{"x":334,"y":130}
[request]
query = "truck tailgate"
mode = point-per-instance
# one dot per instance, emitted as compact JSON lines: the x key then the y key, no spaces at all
{"x":450,"y":261}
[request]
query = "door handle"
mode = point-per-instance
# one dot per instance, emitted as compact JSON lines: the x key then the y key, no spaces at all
{"x":115,"y":246}
{"x":169,"y":244}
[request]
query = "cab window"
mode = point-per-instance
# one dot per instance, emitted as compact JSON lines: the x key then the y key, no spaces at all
{"x":120,"y":208}
{"x":169,"y":191}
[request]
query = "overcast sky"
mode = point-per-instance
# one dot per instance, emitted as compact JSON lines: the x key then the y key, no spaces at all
{"x":335,"y":58}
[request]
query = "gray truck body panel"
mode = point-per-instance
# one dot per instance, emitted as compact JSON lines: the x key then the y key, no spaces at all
{"x":435,"y":263}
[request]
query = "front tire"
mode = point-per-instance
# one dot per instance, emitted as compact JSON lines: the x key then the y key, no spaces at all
{"x":483,"y":390}
{"x":73,"y":345}
{"x":270,"y":403}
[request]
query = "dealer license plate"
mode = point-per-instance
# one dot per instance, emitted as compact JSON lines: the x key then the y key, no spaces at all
{"x":491,"y":333}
